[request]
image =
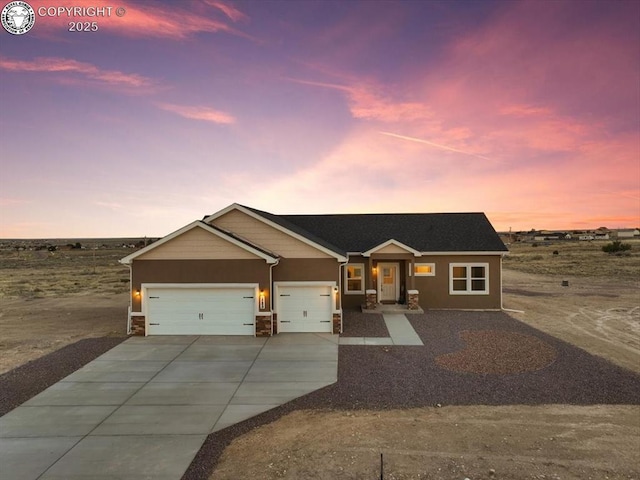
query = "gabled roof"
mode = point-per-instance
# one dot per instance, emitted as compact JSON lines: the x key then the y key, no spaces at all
{"x":394,"y":242}
{"x":269,"y":257}
{"x":424,"y":232}
{"x":279,"y":222}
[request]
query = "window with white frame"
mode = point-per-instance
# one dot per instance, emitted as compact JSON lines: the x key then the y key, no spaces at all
{"x":354,"y":278}
{"x":424,"y":269}
{"x":469,"y":278}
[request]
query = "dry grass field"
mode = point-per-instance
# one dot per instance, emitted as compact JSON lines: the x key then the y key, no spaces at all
{"x":52,"y":299}
{"x":578,"y":259}
{"x":49,"y":300}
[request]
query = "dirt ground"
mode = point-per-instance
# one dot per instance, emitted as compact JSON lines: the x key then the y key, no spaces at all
{"x":513,"y":442}
{"x":50,"y":301}
{"x":33,"y":327}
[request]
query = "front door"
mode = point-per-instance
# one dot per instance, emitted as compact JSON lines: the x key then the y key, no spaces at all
{"x":388,"y":285}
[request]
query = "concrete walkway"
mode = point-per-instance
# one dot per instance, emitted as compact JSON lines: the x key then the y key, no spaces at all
{"x":400,"y":330}
{"x":143,"y":409}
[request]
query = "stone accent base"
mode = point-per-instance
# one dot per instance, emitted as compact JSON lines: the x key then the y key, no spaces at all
{"x":274,"y":317}
{"x":137,"y":325}
{"x":413,"y":300}
{"x":371,"y":299}
{"x":337,"y":323}
{"x":263,"y":325}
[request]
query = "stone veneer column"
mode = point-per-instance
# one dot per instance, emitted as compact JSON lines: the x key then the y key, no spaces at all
{"x":337,"y":323}
{"x":263,"y":324}
{"x":137,"y":325}
{"x":413,"y":300}
{"x":371,"y":299}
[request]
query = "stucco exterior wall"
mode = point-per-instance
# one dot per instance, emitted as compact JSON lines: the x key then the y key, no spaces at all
{"x":433,"y":290}
{"x":198,"y":271}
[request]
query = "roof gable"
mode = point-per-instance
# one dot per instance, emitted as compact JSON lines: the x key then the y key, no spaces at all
{"x":391,"y":246}
{"x":261,"y":227}
{"x":199,"y":241}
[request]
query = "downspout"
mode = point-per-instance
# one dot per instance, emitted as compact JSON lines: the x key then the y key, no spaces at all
{"x":340,"y":275}
{"x":130,"y":308}
{"x":271,"y":290}
{"x":501,"y":296}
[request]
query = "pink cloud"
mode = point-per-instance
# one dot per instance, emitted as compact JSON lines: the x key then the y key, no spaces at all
{"x":63,"y":65}
{"x":368,"y":102}
{"x":229,"y":10}
{"x":199,"y":113}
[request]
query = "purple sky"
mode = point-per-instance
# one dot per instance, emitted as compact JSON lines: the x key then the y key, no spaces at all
{"x":528,"y":111}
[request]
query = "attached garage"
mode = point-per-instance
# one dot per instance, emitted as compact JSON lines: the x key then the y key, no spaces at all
{"x":304,"y":307}
{"x":196,"y":309}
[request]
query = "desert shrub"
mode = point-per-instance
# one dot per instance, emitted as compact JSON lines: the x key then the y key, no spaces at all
{"x":616,"y":246}
{"x":556,"y":252}
{"x":534,"y":244}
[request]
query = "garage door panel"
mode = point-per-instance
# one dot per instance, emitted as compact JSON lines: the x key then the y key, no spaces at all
{"x":201,"y":311}
{"x":305,"y":308}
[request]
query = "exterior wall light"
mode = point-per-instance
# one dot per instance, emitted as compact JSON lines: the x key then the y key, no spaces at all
{"x":262,"y":300}
{"x":137,"y":293}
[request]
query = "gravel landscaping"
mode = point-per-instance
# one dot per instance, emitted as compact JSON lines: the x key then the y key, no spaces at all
{"x":26,"y":381}
{"x":358,"y":324}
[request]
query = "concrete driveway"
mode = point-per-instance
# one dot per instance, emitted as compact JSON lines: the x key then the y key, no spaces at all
{"x":143,"y":409}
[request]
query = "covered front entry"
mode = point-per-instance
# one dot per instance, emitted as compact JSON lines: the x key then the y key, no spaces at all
{"x":304,"y":307}
{"x":388,"y":282}
{"x":192,"y":309}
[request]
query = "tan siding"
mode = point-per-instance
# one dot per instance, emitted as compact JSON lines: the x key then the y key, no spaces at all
{"x":266,"y":236}
{"x":391,"y":249}
{"x":197,"y":244}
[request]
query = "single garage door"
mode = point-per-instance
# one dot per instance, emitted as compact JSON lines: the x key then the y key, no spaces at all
{"x":305,"y":308}
{"x":201,"y":311}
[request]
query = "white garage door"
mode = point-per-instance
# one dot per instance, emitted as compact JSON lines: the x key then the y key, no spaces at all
{"x":201,"y":311}
{"x":305,"y":308}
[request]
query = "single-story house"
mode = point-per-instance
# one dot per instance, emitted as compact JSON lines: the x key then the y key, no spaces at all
{"x":243,"y":271}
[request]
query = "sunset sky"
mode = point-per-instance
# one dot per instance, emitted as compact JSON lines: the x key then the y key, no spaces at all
{"x":527,"y":111}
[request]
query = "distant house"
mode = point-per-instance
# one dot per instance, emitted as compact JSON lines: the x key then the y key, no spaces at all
{"x":586,"y":237}
{"x":628,"y":233}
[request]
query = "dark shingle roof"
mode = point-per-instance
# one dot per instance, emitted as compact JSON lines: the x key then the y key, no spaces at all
{"x":426,"y":232}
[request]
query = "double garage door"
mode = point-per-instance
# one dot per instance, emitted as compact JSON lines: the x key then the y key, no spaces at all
{"x":201,"y":310}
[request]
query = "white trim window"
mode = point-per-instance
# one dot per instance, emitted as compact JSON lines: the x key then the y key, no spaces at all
{"x":424,"y":269}
{"x":354,"y":278}
{"x":468,"y":278}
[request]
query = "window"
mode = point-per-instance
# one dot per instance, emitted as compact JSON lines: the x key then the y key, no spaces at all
{"x":354,"y":278}
{"x":424,"y":269}
{"x":469,"y":278}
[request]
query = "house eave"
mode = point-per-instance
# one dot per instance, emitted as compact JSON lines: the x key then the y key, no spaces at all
{"x":198,"y":224}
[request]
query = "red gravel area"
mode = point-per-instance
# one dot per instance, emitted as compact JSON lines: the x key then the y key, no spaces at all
{"x":358,"y":324}
{"x":498,"y":352}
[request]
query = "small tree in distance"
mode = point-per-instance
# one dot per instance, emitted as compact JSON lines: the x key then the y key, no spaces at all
{"x":616,"y":246}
